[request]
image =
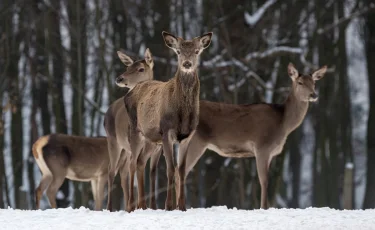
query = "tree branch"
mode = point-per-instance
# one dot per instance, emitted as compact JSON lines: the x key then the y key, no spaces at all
{"x":346,"y":19}
{"x":253,"y":19}
{"x":273,"y":52}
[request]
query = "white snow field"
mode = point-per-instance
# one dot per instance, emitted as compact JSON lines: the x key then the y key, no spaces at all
{"x":200,"y":218}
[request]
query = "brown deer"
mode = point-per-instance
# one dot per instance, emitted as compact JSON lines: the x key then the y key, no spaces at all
{"x":61,"y":156}
{"x":167,"y":112}
{"x":116,"y":124}
{"x":255,"y":130}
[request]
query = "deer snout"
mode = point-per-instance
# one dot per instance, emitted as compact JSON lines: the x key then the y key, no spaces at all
{"x":119,"y":79}
{"x":313,"y":97}
{"x":187,"y":64}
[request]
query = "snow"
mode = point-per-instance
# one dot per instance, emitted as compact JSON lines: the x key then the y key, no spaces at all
{"x":210,"y":218}
{"x":349,"y":165}
{"x":254,"y":18}
{"x":273,"y":51}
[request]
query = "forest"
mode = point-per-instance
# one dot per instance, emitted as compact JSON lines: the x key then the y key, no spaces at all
{"x":58,"y":65}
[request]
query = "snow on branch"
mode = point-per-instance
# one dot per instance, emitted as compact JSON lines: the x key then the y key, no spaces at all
{"x":253,"y":75}
{"x":273,"y":51}
{"x":311,"y":66}
{"x":345,"y":19}
{"x":253,"y":19}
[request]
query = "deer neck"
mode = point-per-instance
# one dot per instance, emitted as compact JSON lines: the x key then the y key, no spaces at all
{"x":295,"y":112}
{"x":186,"y":83}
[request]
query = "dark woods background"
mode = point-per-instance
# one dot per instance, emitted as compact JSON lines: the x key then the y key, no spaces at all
{"x":58,"y":63}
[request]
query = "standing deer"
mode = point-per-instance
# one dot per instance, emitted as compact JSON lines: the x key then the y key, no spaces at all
{"x":116,"y":124}
{"x":167,"y":112}
{"x":255,"y":130}
{"x":61,"y":156}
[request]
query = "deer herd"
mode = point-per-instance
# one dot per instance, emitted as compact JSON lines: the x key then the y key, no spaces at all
{"x":155,"y":117}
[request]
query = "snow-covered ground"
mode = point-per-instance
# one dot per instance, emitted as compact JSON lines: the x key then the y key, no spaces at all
{"x":200,"y":218}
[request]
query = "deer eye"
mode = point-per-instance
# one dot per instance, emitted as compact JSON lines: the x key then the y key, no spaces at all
{"x":141,"y":70}
{"x":196,"y":51}
{"x":178,"y":52}
{"x":300,"y":83}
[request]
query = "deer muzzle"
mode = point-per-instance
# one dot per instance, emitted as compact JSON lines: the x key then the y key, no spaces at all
{"x":187,"y":64}
{"x":313,"y":97}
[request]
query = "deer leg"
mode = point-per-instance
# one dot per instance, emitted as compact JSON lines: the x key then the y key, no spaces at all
{"x":141,"y":164}
{"x":100,"y":184}
{"x":177,"y":184}
{"x":132,"y":168}
{"x":195,"y":148}
{"x":181,"y":178}
{"x":153,"y":166}
{"x":53,"y":188}
{"x":193,"y":151}
{"x":94,"y":188}
{"x":124,"y":173}
{"x":186,"y":149}
{"x":114,"y":156}
{"x":44,"y":183}
{"x":136,"y":146}
{"x":262,"y":168}
{"x":167,"y":149}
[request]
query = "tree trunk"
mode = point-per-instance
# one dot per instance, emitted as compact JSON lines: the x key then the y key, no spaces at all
{"x":3,"y":82}
{"x":33,"y":136}
{"x":295,"y":165}
{"x":326,"y":129}
{"x":215,"y":186}
{"x":77,"y":18}
{"x":56,"y":51}
{"x":369,"y":200}
{"x":2,"y":165}
{"x":16,"y":128}
{"x":344,"y":113}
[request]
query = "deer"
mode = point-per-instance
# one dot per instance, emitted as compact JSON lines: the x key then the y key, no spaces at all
{"x":253,"y":130}
{"x":116,"y":124}
{"x":77,"y":158}
{"x":166,"y":113}
{"x":61,"y":156}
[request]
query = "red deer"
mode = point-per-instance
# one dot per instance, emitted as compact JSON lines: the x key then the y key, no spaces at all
{"x":61,"y":156}
{"x":167,"y":112}
{"x":116,"y":124}
{"x":255,"y":130}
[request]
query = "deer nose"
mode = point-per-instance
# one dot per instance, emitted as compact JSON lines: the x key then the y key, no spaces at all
{"x":314,"y":96}
{"x":119,"y":79}
{"x":187,"y":64}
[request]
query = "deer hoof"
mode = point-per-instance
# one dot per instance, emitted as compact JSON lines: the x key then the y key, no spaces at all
{"x":182,"y":208}
{"x":153,"y":205}
{"x":109,"y":208}
{"x":142,"y":206}
{"x":168,"y":207}
{"x":129,"y":208}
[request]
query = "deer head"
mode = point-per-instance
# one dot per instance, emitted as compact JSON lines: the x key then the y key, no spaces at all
{"x":188,"y":51}
{"x":304,"y":85}
{"x":137,"y":71}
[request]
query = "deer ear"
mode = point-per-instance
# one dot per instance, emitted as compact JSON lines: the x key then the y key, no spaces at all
{"x":148,"y":58}
{"x":292,"y":71}
{"x":125,"y":58}
{"x":170,"y":40}
{"x":205,"y":40}
{"x":319,"y":74}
